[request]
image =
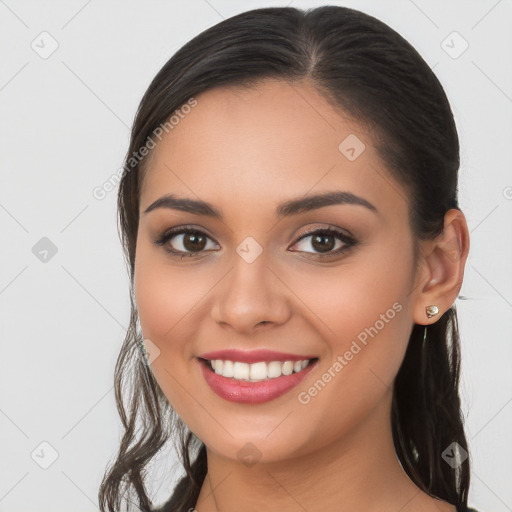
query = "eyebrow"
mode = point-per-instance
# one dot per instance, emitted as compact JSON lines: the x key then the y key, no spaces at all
{"x":288,"y":208}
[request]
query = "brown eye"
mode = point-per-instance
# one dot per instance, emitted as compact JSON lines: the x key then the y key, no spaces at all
{"x":184,"y":242}
{"x":324,"y":241}
{"x":194,"y":242}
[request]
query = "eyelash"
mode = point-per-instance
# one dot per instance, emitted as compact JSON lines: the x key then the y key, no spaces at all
{"x":171,"y":233}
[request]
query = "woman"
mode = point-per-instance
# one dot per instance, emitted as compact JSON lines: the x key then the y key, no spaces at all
{"x":290,"y":219}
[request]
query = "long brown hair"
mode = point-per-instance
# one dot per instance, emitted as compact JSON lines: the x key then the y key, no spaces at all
{"x":366,"y":69}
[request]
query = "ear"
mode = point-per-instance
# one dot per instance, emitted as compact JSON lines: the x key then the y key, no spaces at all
{"x":440,"y":268}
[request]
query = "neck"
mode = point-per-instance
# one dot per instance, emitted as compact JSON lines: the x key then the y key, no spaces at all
{"x":357,"y":472}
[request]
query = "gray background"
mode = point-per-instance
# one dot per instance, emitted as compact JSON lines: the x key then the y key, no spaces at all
{"x":64,"y":122}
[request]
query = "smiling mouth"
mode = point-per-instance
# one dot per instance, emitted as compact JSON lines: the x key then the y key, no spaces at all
{"x":256,"y":372}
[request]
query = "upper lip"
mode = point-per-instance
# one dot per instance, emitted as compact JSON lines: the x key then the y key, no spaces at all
{"x":253,"y":356}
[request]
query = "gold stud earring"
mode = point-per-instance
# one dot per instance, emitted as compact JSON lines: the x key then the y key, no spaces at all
{"x":431,"y":311}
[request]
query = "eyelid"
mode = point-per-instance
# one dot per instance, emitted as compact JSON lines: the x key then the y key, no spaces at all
{"x":180,"y":229}
{"x":325,"y":227}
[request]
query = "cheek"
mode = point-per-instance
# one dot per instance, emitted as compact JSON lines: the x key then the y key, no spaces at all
{"x":169,"y":299}
{"x":363,"y":309}
{"x":166,"y":300}
{"x":158,"y":294}
{"x":155,"y":307}
{"x":352,"y":296}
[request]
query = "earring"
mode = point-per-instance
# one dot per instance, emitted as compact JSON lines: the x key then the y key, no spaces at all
{"x":431,"y":311}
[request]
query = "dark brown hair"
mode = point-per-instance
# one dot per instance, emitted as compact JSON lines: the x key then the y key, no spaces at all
{"x":371,"y":73}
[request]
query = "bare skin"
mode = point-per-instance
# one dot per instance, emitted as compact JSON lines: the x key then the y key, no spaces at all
{"x":245,"y":152}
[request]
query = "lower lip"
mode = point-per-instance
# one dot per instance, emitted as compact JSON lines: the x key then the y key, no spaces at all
{"x":242,"y":391}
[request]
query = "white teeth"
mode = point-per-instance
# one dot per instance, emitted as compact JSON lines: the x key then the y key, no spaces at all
{"x":257,"y":372}
{"x":217,"y":366}
{"x":227,"y":370}
{"x":287,"y":368}
{"x":241,"y":370}
{"x":274,"y":369}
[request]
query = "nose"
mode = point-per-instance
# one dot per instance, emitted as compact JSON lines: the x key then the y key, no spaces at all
{"x":251,"y":297}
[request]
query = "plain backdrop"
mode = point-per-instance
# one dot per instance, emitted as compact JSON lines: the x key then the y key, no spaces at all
{"x":72,"y":75}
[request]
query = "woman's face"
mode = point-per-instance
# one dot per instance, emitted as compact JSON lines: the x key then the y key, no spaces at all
{"x":249,"y":283}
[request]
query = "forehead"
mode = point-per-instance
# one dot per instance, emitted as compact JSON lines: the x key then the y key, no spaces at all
{"x":264,"y":144}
